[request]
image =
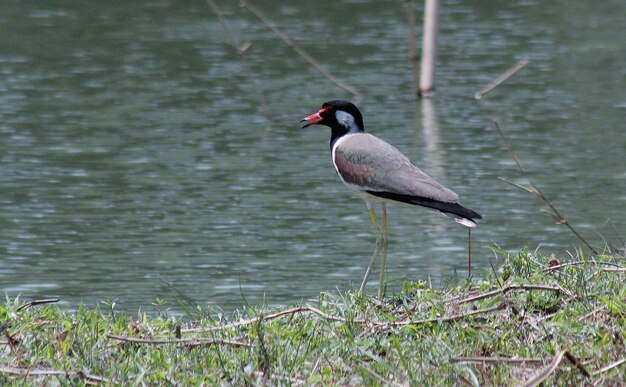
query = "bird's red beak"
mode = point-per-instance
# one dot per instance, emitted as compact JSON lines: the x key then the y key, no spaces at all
{"x":314,"y":119}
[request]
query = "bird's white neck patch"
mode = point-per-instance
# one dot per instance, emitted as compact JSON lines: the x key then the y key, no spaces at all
{"x":346,"y":120}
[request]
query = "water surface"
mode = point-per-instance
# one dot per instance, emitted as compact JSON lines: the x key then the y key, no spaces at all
{"x":135,"y":151}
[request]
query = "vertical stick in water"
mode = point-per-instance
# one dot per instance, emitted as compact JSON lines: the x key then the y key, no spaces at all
{"x":429,"y":48}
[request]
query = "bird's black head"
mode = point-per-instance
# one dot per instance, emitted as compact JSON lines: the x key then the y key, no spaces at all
{"x":340,"y":115}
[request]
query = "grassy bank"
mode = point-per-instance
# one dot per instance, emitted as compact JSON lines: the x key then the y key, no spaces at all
{"x":534,"y":318}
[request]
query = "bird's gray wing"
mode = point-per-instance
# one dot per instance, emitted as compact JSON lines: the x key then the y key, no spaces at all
{"x":370,"y":164}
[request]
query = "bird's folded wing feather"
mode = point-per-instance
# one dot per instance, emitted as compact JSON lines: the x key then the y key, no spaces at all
{"x":371,"y":164}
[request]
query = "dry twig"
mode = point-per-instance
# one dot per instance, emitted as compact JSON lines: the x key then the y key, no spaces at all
{"x":577,"y":263}
{"x":270,"y":316}
{"x":504,"y":290}
{"x":609,"y":367}
{"x":506,"y":75}
{"x":495,"y":360}
{"x":186,"y":342}
{"x":544,"y":373}
{"x":38,"y":302}
{"x":593,"y":312}
{"x":367,"y":322}
{"x":51,"y":372}
{"x":279,"y":379}
{"x":541,"y":318}
{"x":437,"y":319}
{"x":615,"y":269}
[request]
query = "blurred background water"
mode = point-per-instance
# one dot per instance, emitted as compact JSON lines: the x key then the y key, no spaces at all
{"x":134,"y":150}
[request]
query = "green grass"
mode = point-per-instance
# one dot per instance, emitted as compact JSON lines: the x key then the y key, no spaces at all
{"x":534,"y":318}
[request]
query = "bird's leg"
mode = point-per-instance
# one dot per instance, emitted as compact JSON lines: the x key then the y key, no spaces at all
{"x":383,"y":244}
{"x":469,"y":252}
{"x":379,"y":237}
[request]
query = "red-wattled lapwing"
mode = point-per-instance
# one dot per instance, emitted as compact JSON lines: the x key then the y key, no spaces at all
{"x":379,"y":173}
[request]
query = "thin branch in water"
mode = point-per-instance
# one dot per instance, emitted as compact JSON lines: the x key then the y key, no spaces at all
{"x":536,"y":192}
{"x":305,"y":55}
{"x":241,"y":50}
{"x":529,"y":190}
{"x":506,"y":75}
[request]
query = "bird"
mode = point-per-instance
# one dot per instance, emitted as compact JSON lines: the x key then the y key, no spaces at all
{"x":380,"y":174}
